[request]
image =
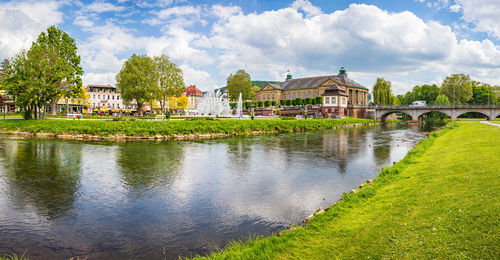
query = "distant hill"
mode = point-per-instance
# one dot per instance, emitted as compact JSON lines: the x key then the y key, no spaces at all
{"x":262,"y":83}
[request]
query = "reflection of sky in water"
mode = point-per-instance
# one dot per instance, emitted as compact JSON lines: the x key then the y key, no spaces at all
{"x":104,"y":200}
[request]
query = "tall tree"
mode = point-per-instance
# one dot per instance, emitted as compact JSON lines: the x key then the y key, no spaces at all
{"x":382,"y":93}
{"x":442,"y":100}
{"x":239,"y":83}
{"x":61,"y":65}
{"x":482,"y":93}
{"x":170,"y":79}
{"x":458,"y":88}
{"x":15,"y":82}
{"x":138,"y":80}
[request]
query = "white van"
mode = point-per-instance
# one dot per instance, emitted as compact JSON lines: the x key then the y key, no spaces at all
{"x":418,"y":104}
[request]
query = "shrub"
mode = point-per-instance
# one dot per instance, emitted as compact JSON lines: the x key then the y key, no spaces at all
{"x":233,"y":105}
{"x":288,"y":102}
{"x":299,"y":101}
{"x":267,"y":103}
{"x":259,"y":104}
{"x":307,"y":101}
{"x":273,"y":103}
{"x":319,"y":100}
{"x":313,"y":101}
{"x":288,"y":118}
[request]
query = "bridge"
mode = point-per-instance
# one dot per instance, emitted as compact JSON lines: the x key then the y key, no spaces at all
{"x":415,"y":113}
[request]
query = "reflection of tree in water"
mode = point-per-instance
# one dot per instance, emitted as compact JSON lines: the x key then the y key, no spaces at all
{"x":146,"y":165}
{"x":239,"y":150}
{"x":382,"y":149}
{"x":43,"y":173}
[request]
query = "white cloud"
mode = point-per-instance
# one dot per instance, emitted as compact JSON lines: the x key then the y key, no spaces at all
{"x":179,"y":11}
{"x":225,"y":12}
{"x":22,"y":21}
{"x":99,"y":78}
{"x":101,"y":7}
{"x":306,"y":6}
{"x":484,"y":14}
{"x":455,"y":8}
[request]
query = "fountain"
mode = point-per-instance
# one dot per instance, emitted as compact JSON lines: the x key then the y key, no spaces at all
{"x":214,"y":104}
{"x":239,"y":108}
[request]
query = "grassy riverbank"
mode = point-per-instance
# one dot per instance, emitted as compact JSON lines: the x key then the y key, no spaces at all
{"x":171,"y":129}
{"x":441,"y":201}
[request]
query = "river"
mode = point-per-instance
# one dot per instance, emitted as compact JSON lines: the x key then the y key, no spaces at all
{"x":145,"y":200}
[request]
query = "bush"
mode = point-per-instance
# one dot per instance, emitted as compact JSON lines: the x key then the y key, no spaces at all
{"x":288,"y":102}
{"x":313,"y":101}
{"x":288,"y":118}
{"x":307,"y":101}
{"x":283,"y":102}
{"x":319,"y":100}
{"x":167,"y":114}
{"x":233,"y":105}
{"x":267,"y":103}
{"x":299,"y":101}
{"x":259,"y":104}
{"x":273,"y":103}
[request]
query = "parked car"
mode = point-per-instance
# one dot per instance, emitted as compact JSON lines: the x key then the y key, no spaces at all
{"x":418,"y":104}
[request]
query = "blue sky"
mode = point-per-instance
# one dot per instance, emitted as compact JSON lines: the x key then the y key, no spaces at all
{"x":409,"y":42}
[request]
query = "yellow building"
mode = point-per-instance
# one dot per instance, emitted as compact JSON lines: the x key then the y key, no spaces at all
{"x":313,"y":87}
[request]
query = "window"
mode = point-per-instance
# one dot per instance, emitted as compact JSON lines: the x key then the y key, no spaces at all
{"x":344,"y":100}
{"x":113,"y":97}
{"x":334,"y":100}
{"x":327,"y":100}
{"x":293,"y":95}
{"x":117,"y":97}
{"x":108,"y":97}
{"x":93,"y":96}
{"x":98,"y":96}
{"x":289,"y":95}
{"x":314,"y":93}
{"x":309,"y":94}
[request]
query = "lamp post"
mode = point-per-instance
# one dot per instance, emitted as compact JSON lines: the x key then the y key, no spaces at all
{"x":151,"y":106}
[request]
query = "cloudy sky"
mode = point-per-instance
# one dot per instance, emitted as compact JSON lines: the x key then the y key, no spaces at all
{"x":408,"y":42}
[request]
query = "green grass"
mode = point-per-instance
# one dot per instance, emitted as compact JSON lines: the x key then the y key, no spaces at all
{"x":172,"y":128}
{"x":393,"y":120}
{"x":441,"y":201}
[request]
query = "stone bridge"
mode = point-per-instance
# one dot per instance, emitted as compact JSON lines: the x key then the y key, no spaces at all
{"x":415,"y":113}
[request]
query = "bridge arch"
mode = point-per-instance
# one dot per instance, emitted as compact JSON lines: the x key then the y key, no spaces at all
{"x":387,"y":113}
{"x":445,"y":112}
{"x":473,"y":111}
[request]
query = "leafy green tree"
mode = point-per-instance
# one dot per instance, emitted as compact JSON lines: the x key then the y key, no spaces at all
{"x":273,"y":103}
{"x":239,"y":83}
{"x":458,"y":88}
{"x":170,"y":79}
{"x":138,"y":80}
{"x":56,"y":56}
{"x":267,"y":103}
{"x":49,"y":70}
{"x":482,"y":93}
{"x":442,"y":100}
{"x":253,"y":95}
{"x":382,"y":93}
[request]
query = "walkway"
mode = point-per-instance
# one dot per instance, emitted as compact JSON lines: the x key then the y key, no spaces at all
{"x":489,"y":123}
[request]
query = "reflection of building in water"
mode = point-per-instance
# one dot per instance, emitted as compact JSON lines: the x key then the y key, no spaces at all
{"x":45,"y":175}
{"x":336,"y":147}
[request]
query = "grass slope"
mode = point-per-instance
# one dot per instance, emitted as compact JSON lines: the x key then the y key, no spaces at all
{"x":441,"y":201}
{"x":172,"y":128}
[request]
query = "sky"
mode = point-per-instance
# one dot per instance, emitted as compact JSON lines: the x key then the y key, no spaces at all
{"x":408,"y":42}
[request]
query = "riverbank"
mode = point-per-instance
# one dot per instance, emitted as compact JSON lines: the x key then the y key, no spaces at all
{"x":166,"y":130}
{"x":440,"y":201}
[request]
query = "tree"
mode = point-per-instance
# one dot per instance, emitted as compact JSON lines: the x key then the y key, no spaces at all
{"x":44,"y":73}
{"x":382,"y":92}
{"x":182,"y":102}
{"x":170,"y":79}
{"x":138,"y":80}
{"x":61,"y":67}
{"x":239,"y":83}
{"x":458,"y":88}
{"x":442,"y":100}
{"x":482,"y":93}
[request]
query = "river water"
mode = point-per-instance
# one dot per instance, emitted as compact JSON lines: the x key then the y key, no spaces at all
{"x":145,"y":200}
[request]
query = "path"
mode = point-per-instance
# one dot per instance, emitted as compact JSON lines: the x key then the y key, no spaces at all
{"x":490,"y":123}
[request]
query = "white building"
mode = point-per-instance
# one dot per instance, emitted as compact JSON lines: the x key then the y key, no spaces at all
{"x":106,"y":98}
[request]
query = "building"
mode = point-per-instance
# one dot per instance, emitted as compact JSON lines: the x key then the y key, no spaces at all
{"x":334,"y":101}
{"x":313,"y":87}
{"x":106,"y":98}
{"x":194,"y":96}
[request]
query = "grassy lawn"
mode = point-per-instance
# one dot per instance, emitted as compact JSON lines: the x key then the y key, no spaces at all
{"x":172,"y":128}
{"x":441,"y":201}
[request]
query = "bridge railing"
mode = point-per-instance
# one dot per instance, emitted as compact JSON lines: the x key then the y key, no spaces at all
{"x":438,"y":106}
